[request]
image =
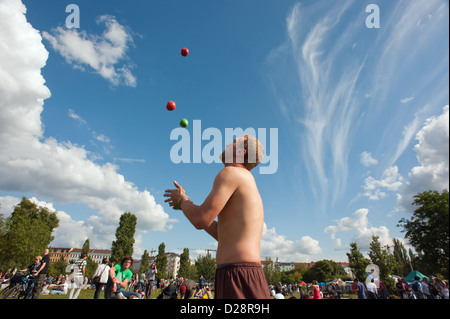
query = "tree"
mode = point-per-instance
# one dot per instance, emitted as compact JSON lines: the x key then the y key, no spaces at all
{"x":402,"y":265}
{"x":428,"y":231}
{"x":58,"y":267}
{"x":272,"y":275}
{"x":86,"y":247}
{"x":91,"y":265}
{"x":123,"y":245}
{"x":295,"y":275}
{"x":27,"y":232}
{"x":324,"y":271}
{"x":185,"y":264}
{"x":161,"y":261}
{"x":187,"y":270}
{"x":357,"y":262}
{"x":145,"y":262}
{"x":206,"y":267}
{"x":2,"y":225}
{"x":384,"y":260}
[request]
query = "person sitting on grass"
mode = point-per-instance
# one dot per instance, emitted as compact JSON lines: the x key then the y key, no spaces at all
{"x":60,"y":289}
{"x":119,"y":277}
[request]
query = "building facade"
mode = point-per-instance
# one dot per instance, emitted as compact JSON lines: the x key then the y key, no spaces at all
{"x":172,"y":266}
{"x":56,"y":253}
{"x":72,"y":254}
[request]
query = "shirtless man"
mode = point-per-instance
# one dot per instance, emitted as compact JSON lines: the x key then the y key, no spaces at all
{"x":235,"y":201}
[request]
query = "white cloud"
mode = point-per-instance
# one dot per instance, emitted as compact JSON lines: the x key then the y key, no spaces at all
{"x":275,"y":245}
{"x":102,"y":138}
{"x":348,"y":223}
{"x":391,"y":180}
{"x":407,"y":100}
{"x":432,"y":150}
{"x":49,"y":169}
{"x":360,"y":224}
{"x":407,"y":135}
{"x":367,"y":159}
{"x":363,"y":237}
{"x":101,"y":53}
{"x":7,"y":204}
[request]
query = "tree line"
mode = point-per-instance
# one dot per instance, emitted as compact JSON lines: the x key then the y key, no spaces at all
{"x":28,"y":231}
{"x":427,"y":231}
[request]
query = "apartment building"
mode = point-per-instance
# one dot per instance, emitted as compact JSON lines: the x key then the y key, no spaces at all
{"x":72,"y":254}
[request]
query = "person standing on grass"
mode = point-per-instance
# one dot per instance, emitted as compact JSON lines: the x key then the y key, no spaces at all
{"x":360,"y":289}
{"x":102,"y":271}
{"x":78,"y":276}
{"x":150,"y":277}
{"x":41,"y":275}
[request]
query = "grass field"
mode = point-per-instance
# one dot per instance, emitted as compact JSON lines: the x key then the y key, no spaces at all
{"x":89,"y":294}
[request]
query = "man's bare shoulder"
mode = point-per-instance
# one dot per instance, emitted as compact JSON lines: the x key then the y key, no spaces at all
{"x":233,"y":173}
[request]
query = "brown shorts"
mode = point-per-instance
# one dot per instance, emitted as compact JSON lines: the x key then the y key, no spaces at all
{"x":241,"y":281}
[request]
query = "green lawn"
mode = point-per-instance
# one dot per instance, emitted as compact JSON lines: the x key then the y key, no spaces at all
{"x":89,"y":294}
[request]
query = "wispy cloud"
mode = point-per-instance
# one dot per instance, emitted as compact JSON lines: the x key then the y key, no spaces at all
{"x":324,"y":93}
{"x":408,"y":134}
{"x":331,"y":74}
{"x":76,"y":117}
{"x":102,"y":138}
{"x":97,"y":137}
{"x":407,"y":30}
{"x":407,"y":100}
{"x":130,"y":160}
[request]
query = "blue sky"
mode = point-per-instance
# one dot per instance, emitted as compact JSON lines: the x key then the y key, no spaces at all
{"x":360,"y":113}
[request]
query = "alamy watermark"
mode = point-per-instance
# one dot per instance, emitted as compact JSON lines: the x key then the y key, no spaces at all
{"x":73,"y":19}
{"x":212,"y":151}
{"x":373,"y":19}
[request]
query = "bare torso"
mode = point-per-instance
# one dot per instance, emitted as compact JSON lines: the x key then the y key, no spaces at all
{"x":237,"y":204}
{"x":240,"y":223}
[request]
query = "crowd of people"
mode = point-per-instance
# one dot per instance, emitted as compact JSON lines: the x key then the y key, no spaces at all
{"x":118,"y":282}
{"x":421,"y":288}
{"x":334,"y":290}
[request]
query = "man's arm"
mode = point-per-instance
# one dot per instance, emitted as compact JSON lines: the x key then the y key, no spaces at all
{"x":123,"y":283}
{"x":203,"y":216}
{"x":112,"y":274}
{"x":212,"y":230}
{"x":40,"y":268}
